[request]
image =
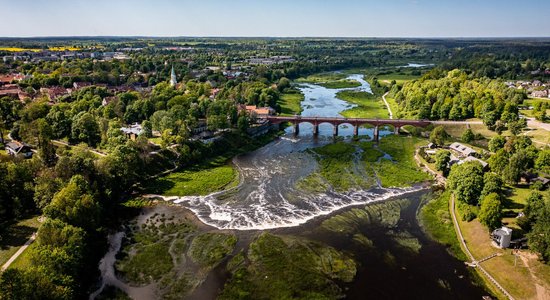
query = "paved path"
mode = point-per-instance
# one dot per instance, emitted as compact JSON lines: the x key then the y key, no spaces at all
{"x":387,"y":104}
{"x":58,"y":142}
{"x":467,"y":250}
{"x":16,"y":255}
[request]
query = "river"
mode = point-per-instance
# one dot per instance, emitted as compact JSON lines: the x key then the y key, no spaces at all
{"x":267,"y":198}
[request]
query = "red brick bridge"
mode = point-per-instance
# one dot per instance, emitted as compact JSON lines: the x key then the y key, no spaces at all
{"x":356,"y":123}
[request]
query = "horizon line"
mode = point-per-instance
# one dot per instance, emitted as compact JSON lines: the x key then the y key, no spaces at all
{"x":274,"y":37}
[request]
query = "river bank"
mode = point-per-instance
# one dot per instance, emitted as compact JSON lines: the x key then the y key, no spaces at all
{"x":272,"y":238}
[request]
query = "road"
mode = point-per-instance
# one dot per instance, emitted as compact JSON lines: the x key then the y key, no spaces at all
{"x":16,"y":255}
{"x":58,"y":142}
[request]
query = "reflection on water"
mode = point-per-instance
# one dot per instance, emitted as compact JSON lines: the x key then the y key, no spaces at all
{"x":266,"y":197}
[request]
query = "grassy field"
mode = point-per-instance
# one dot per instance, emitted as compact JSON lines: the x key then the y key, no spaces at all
{"x":336,"y":168}
{"x":369,"y":106}
{"x":436,"y":219}
{"x":399,"y":78}
{"x":401,"y":170}
{"x":357,"y":165}
{"x":15,"y":235}
{"x":393,"y":106}
{"x":517,"y":278}
{"x":291,"y":103}
{"x":196,"y":181}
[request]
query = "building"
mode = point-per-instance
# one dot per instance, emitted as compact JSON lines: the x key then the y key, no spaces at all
{"x":173,"y":79}
{"x":484,"y":164}
{"x":54,"y":92}
{"x":463,"y":150}
{"x":132,"y":131}
{"x":16,"y":148}
{"x":502,"y":237}
{"x":257,"y":112}
{"x":540,"y":94}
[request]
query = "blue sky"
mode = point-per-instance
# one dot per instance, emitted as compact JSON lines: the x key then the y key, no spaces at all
{"x":286,"y":18}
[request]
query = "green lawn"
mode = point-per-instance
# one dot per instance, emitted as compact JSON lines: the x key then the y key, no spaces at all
{"x":15,"y":236}
{"x":437,"y":221}
{"x":340,"y":84}
{"x":393,"y":106}
{"x":402,"y":169}
{"x":195,"y":181}
{"x":291,"y":103}
{"x":369,"y":106}
{"x":398,"y":77}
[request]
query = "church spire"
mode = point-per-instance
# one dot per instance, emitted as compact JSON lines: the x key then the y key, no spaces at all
{"x":173,"y":80}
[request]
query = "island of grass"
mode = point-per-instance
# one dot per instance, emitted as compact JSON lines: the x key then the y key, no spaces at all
{"x":368,"y":105}
{"x":360,"y":165}
{"x":290,"y":102}
{"x":332,"y":80}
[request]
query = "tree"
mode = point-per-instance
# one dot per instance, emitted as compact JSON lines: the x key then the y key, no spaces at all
{"x":442,"y":159}
{"x":539,"y":238}
{"x":46,"y":149}
{"x":490,"y":213}
{"x":492,"y":183}
{"x":438,"y":136}
{"x":516,"y":127}
{"x":147,"y":129}
{"x":517,"y":164}
{"x":543,"y":161}
{"x":75,"y":205}
{"x":34,"y":283}
{"x":466,"y":181}
{"x":467,"y":136}
{"x":243,"y":123}
{"x":497,"y":143}
{"x":86,"y":129}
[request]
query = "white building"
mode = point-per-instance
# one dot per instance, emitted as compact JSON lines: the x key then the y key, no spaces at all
{"x":502,"y":237}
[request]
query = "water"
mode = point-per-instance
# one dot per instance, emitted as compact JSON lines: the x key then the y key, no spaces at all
{"x":266,"y":197}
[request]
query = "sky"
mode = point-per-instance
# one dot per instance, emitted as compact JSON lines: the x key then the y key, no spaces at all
{"x":276,"y":18}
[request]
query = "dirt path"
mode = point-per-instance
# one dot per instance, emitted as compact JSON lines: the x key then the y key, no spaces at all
{"x":19,"y":252}
{"x":542,"y":288}
{"x":68,"y":145}
{"x":387,"y":104}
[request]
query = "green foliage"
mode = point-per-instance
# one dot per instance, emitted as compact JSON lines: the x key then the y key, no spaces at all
{"x":490,"y":213}
{"x":466,"y":181}
{"x":539,"y":237}
{"x":492,"y":183}
{"x":208,"y":249}
{"x":296,"y":269}
{"x":442,"y":159}
{"x":436,"y":218}
{"x":75,"y":205}
{"x":467,"y":136}
{"x":543,"y":161}
{"x":86,"y":129}
{"x":438,"y":136}
{"x":33,"y":284}
{"x":368,"y":105}
{"x":496,"y":143}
